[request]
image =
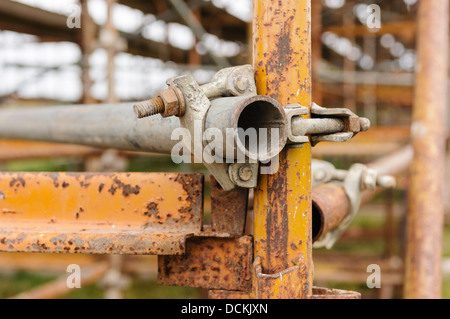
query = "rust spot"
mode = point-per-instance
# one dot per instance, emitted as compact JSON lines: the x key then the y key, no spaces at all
{"x":152,"y":209}
{"x":8,"y":211}
{"x":100,"y":187}
{"x":16,"y":181}
{"x":127,"y":189}
{"x":65,"y":184}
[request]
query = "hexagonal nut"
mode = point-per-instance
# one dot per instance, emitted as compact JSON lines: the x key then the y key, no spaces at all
{"x":172,"y":102}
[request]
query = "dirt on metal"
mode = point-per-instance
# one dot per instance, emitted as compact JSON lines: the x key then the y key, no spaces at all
{"x":213,"y":263}
{"x":228,"y":209}
{"x":115,"y":213}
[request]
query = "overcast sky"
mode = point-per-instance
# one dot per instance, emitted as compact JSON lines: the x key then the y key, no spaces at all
{"x":136,"y":77}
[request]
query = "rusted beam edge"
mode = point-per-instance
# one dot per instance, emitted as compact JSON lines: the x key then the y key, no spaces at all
{"x":95,"y":242}
{"x":116,"y":213}
{"x":212,"y":263}
{"x":317,"y":293}
{"x":59,"y":287}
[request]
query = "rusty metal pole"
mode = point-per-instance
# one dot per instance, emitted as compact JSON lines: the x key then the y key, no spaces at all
{"x":87,"y":41}
{"x":282,"y":201}
{"x":111,"y":51}
{"x":316,"y":46}
{"x":423,"y":278}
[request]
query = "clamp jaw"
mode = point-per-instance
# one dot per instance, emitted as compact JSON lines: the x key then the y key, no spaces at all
{"x":325,"y":124}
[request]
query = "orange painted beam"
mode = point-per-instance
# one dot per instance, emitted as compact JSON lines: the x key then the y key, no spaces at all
{"x":127,"y":213}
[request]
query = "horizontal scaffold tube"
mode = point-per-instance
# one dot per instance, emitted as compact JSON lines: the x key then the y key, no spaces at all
{"x":102,"y":125}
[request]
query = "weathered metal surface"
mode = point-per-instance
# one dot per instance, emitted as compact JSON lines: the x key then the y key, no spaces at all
{"x":99,"y":213}
{"x":227,"y":294}
{"x":59,"y":287}
{"x":330,"y":207}
{"x":213,"y":263}
{"x":260,"y":113}
{"x":228,"y":209}
{"x":317,"y":293}
{"x":282,"y":201}
{"x":234,"y":81}
{"x":106,"y":126}
{"x":331,"y":204}
{"x":290,"y":283}
{"x":327,"y":293}
{"x":423,"y":278}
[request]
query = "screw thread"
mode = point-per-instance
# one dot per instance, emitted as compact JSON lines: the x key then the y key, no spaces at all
{"x":149,"y":107}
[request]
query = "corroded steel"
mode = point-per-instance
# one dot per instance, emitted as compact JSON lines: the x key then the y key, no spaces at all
{"x":317,"y":293}
{"x":423,"y":278}
{"x":327,"y":293}
{"x":330,"y":207}
{"x":213,"y":263}
{"x":99,"y":213}
{"x":227,"y":294}
{"x":289,"y":283}
{"x":228,"y":209}
{"x":282,"y":201}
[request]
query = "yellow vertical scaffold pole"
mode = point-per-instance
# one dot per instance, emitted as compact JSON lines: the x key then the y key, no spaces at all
{"x":282,"y":201}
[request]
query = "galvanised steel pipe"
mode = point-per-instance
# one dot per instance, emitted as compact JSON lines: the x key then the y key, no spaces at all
{"x":116,"y":125}
{"x":105,"y":125}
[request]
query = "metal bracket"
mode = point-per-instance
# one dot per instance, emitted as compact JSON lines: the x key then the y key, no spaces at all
{"x":236,"y":81}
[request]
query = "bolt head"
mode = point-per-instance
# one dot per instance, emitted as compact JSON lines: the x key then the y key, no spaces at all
{"x":241,"y":83}
{"x":245,"y":173}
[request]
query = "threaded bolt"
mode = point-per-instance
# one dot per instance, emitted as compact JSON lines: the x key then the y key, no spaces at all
{"x":149,"y":107}
{"x":365,"y":124}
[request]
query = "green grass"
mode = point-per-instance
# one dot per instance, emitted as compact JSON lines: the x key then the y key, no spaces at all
{"x":20,"y":281}
{"x":139,"y":289}
{"x":44,"y":165}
